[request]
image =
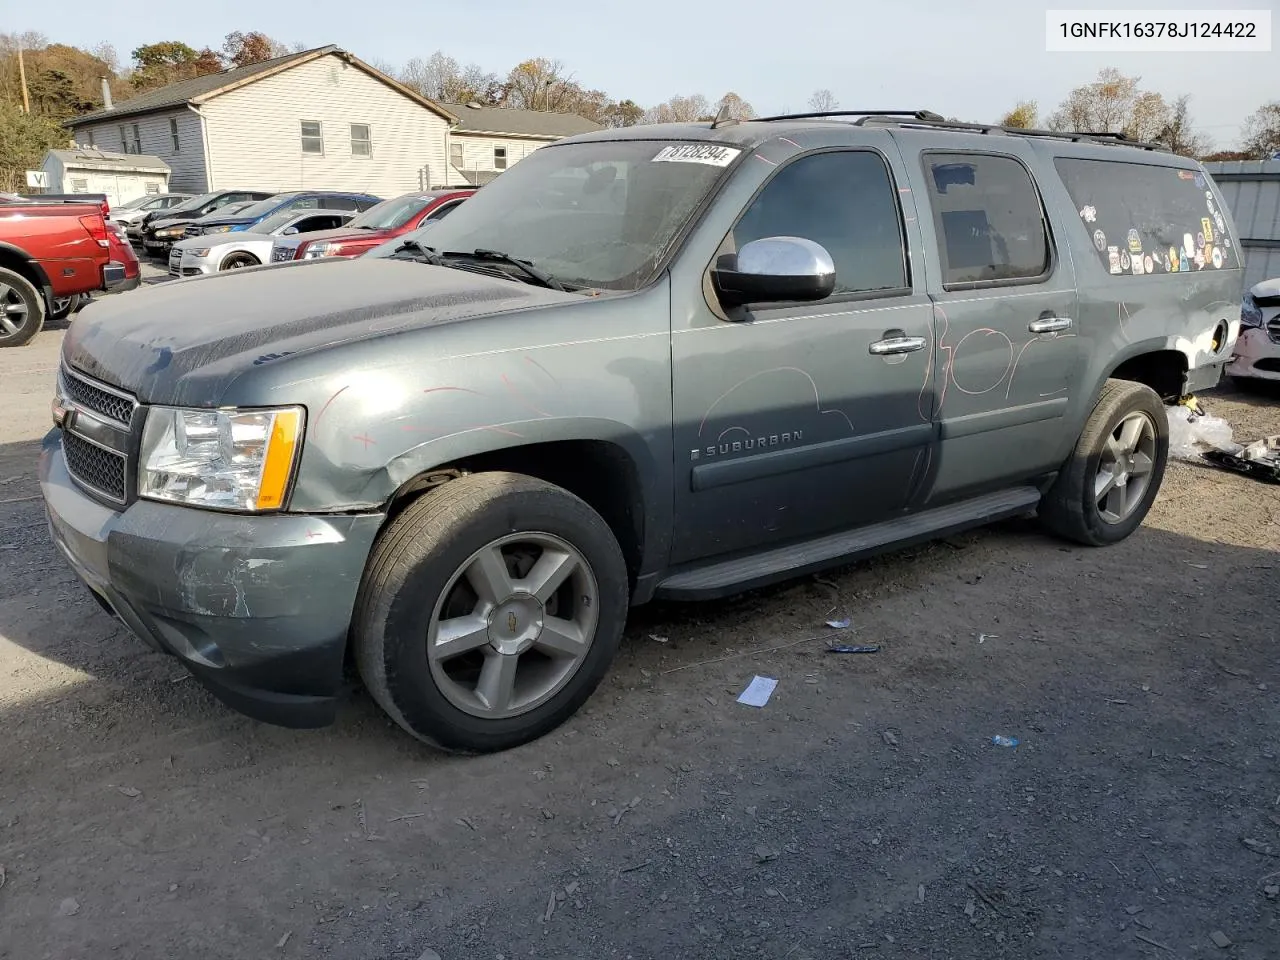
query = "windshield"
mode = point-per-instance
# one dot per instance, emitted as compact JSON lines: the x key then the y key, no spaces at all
{"x":599,"y":214}
{"x":135,"y":203}
{"x":195,"y":203}
{"x":263,"y":207}
{"x":390,"y":214}
{"x":275,"y":222}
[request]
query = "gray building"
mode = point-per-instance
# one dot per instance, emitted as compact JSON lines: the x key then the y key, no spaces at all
{"x":1251,"y":189}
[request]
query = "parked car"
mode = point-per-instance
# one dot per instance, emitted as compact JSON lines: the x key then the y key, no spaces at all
{"x":52,"y":252}
{"x":232,"y":251}
{"x":249,"y":217}
{"x":159,"y":229}
{"x":388,"y":219}
{"x":154,"y":202}
{"x":1257,"y":351}
{"x":730,"y":355}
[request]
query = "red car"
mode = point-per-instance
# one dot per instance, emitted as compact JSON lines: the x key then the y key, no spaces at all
{"x":52,"y":253}
{"x":377,"y":225}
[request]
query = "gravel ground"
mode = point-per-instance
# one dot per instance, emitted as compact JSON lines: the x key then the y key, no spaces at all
{"x":864,"y":812}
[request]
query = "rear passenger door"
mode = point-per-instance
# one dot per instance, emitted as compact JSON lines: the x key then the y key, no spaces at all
{"x":796,"y":419}
{"x":1006,"y":354}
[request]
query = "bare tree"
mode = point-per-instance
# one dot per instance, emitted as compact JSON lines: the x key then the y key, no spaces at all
{"x":823,"y":101}
{"x":1104,"y":106}
{"x":1262,"y":131}
{"x":1022,"y":117}
{"x":1179,"y":134}
{"x":738,"y":108}
{"x":680,"y":110}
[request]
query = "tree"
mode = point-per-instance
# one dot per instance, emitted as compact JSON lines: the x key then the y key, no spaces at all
{"x":1262,"y":131}
{"x":823,"y":101}
{"x":738,"y":108}
{"x":1104,"y":106}
{"x":440,"y":77}
{"x":241,"y":49}
{"x":25,"y":138}
{"x":1178,"y":133}
{"x":1024,"y":116}
{"x":159,"y":64}
{"x":679,"y":110}
{"x":541,"y":84}
{"x":623,"y":113}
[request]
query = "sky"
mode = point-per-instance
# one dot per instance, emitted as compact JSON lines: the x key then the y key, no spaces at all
{"x":973,"y":59}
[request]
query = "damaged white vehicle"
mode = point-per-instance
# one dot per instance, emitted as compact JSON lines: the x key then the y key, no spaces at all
{"x":1257,"y":349}
{"x":211,"y":253}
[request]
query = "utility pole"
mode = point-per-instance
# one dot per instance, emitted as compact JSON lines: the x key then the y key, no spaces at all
{"x":22,"y":75}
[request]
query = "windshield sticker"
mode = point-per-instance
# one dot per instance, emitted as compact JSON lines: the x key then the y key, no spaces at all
{"x":1100,"y":240}
{"x":707,"y":153}
{"x":1113,"y":259}
{"x":1207,"y":224}
{"x":1135,"y":242}
{"x":1186,"y":175}
{"x":1217,"y":258}
{"x":1089,"y":213}
{"x":1148,"y":265}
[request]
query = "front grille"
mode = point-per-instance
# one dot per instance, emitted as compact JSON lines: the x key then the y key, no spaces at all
{"x":93,"y":467}
{"x":1273,"y":329}
{"x":281,"y":254}
{"x":175,"y":262}
{"x":114,"y":407}
{"x":190,"y":271}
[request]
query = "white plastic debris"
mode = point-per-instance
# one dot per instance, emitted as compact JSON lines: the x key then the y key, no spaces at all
{"x":1190,"y":435}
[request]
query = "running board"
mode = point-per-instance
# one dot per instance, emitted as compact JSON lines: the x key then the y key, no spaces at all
{"x":782,"y":563}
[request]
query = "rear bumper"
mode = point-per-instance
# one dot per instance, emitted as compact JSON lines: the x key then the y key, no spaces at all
{"x":257,"y":608}
{"x":115,"y":280}
{"x":1204,"y":377}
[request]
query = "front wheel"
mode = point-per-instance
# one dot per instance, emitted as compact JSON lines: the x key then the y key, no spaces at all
{"x":1107,"y":487}
{"x":238,"y":261}
{"x":490,"y":610}
{"x":22,"y":309}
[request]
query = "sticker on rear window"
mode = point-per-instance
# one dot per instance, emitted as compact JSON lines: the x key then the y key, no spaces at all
{"x":708,"y":153}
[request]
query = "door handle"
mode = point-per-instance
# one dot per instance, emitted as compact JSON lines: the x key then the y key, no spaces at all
{"x":895,"y":345}
{"x":1050,"y":325}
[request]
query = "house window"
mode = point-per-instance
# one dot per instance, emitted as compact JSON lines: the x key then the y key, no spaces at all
{"x":361,"y":144}
{"x":153,"y":187}
{"x":312,"y":140}
{"x":455,"y":155}
{"x":91,"y":144}
{"x":499,"y":158}
{"x":137,"y":140}
{"x":124,"y":140}
{"x":79,"y":185}
{"x":173,"y":133}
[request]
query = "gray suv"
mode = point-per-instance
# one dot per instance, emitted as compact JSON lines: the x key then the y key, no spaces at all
{"x":673,"y":361}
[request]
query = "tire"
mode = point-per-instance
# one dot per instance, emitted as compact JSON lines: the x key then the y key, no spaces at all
{"x":238,"y":261}
{"x":22,"y":309}
{"x":421,"y":575}
{"x":1082,"y":504}
{"x":65,"y":306}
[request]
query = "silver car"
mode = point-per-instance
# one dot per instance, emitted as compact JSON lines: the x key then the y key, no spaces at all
{"x":231,"y":251}
{"x":135,"y":210}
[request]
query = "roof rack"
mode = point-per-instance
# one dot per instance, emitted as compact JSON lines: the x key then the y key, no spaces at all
{"x":927,"y":118}
{"x":995,"y":129}
{"x":926,"y":115}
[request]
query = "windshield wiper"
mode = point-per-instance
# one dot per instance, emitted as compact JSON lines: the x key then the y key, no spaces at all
{"x":425,"y":254}
{"x":524,"y":266}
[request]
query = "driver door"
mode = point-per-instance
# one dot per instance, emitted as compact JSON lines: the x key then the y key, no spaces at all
{"x":788,"y":421}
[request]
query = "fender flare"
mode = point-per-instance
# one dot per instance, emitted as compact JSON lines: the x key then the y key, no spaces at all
{"x":42,"y":278}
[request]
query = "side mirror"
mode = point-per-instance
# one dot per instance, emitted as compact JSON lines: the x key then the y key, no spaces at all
{"x":289,"y":231}
{"x":775,"y":270}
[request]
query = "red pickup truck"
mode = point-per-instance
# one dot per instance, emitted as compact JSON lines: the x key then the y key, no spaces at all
{"x":53,"y":251}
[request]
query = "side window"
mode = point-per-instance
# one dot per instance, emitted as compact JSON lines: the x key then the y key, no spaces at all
{"x":318,"y":222}
{"x":443,"y":211}
{"x":1143,"y":218}
{"x":845,"y":201}
{"x":363,"y":203}
{"x":988,"y":218}
{"x":337,"y":203}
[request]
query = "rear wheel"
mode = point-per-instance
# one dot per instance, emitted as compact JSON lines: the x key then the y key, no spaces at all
{"x":238,"y":261}
{"x":1107,"y":487}
{"x":22,"y":309}
{"x":491,"y":609}
{"x":65,"y":306}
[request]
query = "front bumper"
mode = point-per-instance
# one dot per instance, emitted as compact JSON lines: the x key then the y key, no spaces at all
{"x":156,"y":246}
{"x":183,"y":264}
{"x":1256,"y":355}
{"x":256,"y":607}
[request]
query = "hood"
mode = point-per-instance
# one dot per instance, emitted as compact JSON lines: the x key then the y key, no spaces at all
{"x":1267,"y":292}
{"x":186,"y":341}
{"x":228,"y":221}
{"x":222,"y":239}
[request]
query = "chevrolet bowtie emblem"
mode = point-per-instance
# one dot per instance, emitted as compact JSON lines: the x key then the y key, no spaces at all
{"x":512,"y":623}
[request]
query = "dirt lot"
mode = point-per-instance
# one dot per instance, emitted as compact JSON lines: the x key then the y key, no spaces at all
{"x":864,"y":812}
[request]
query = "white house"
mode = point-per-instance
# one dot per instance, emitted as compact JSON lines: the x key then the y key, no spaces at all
{"x":321,"y":119}
{"x":121,"y":176}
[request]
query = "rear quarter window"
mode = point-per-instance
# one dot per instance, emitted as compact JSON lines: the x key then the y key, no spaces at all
{"x":1143,"y":218}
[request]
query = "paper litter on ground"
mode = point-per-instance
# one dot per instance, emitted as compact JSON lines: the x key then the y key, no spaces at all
{"x":758,"y":691}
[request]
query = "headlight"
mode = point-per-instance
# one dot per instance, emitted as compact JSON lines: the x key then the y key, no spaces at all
{"x":222,"y":459}
{"x":199,"y":251}
{"x":1250,"y":313}
{"x":167,"y":232}
{"x":217,"y":229}
{"x":318,"y":250}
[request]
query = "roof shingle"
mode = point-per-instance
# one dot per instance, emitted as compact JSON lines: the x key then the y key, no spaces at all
{"x":520,"y":123}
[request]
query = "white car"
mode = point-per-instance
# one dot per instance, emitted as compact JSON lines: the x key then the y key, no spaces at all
{"x":215,"y":252}
{"x":136,"y":209}
{"x":1257,"y":350}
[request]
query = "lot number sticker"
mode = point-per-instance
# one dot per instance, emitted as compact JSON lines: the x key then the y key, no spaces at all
{"x":708,"y":153}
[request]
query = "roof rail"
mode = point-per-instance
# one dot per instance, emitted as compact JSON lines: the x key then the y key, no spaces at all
{"x":923,"y":115}
{"x":995,"y":129}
